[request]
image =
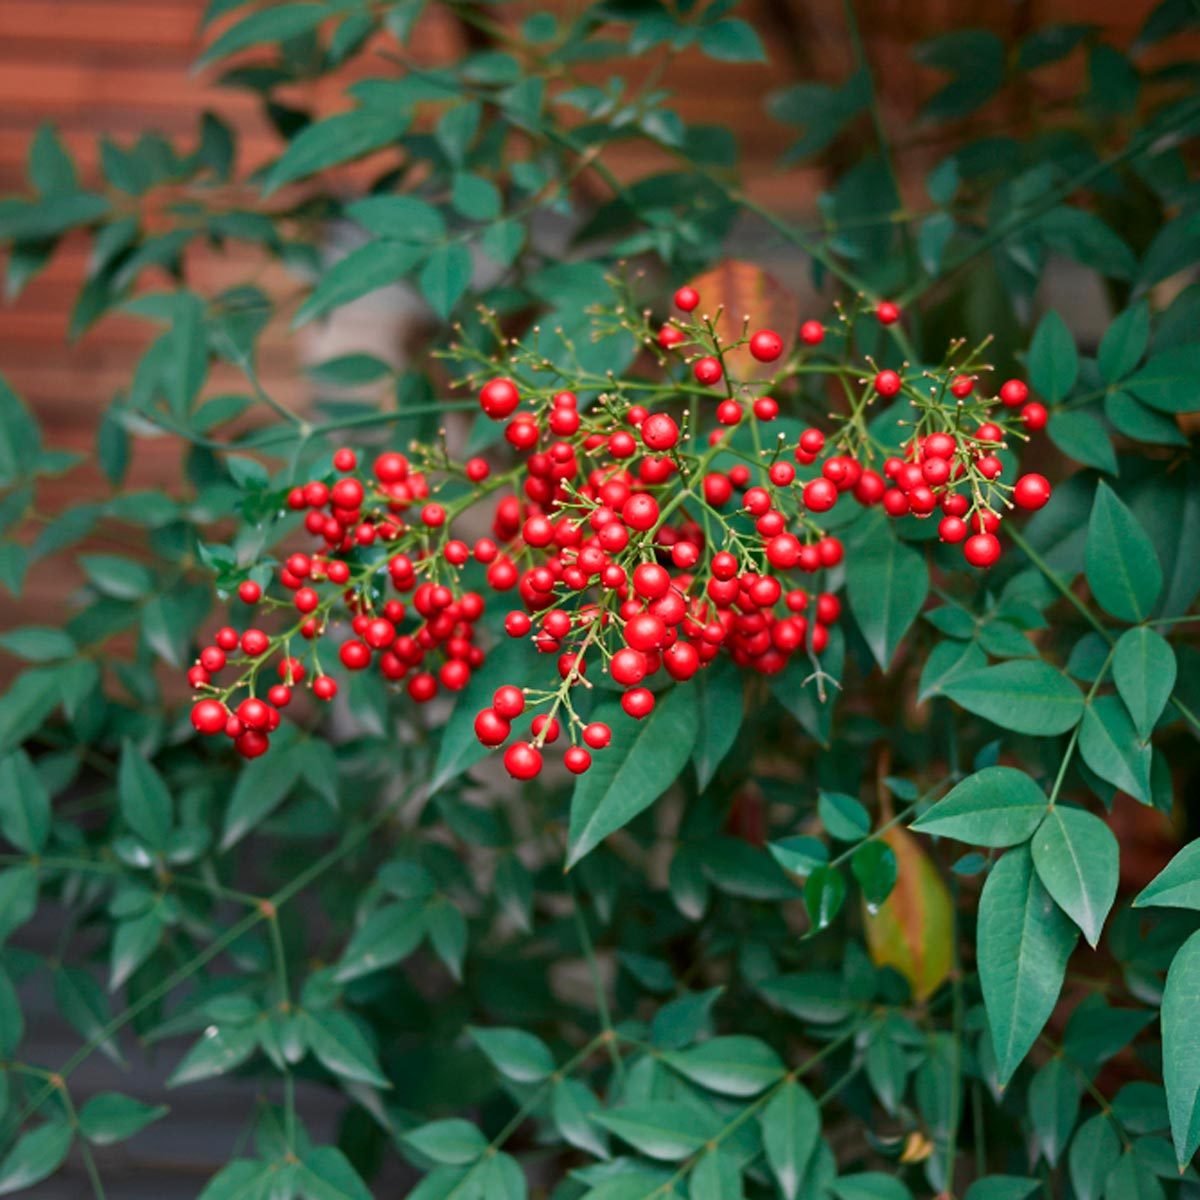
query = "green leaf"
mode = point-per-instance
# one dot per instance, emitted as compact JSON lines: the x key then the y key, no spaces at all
{"x":49,"y":216}
{"x":1023,"y":943}
{"x":261,"y":787}
{"x":133,"y":942}
{"x":12,"y":1020}
{"x":18,"y":898}
{"x":1026,"y":696}
{"x":643,"y":760}
{"x":791,"y":1125}
{"x":1144,"y":670}
{"x":1122,"y":566}
{"x":1053,"y":359}
{"x":667,"y":1130}
{"x":717,"y":1176}
{"x":447,"y":935}
{"x":275,"y":24}
{"x":844,"y":817}
{"x":886,"y":584}
{"x":731,"y":1066}
{"x":401,"y":218}
{"x":326,"y":1174}
{"x":975,"y":58}
{"x":50,"y":166}
{"x":1077,"y":859}
{"x":1168,"y":380}
{"x":1002,"y":1187}
{"x":574,"y":1105}
{"x":453,"y":1142}
{"x":824,"y":892}
{"x":120,"y":578}
{"x":1132,"y":418}
{"x":1177,"y":885}
{"x":720,"y":708}
{"x":732,"y":40}
{"x":389,"y":935}
{"x":1124,"y":342}
{"x":1082,"y":436}
{"x":335,"y":140}
{"x":220,"y":1050}
{"x":1053,"y":1107}
{"x":111,"y":1117}
{"x":445,"y":277}
{"x":874,"y":866}
{"x":24,"y":804}
{"x":998,"y":806}
{"x":82,"y":1002}
{"x":1095,"y":1150}
{"x":145,"y":802}
{"x":946,"y":662}
{"x":38,"y":643}
{"x":1181,"y":1049}
{"x":241,"y":1179}
{"x":476,"y":198}
{"x":1109,"y":744}
{"x":36,"y":1155}
{"x":363,"y":270}
{"x":516,"y":1054}
{"x":334,"y":1038}
{"x":870,"y":1185}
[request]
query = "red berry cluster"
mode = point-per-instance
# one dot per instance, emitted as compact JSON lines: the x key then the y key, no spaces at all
{"x":617,"y":531}
{"x":951,"y":466}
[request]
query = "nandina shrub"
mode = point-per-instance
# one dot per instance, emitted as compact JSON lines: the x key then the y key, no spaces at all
{"x":676,"y":740}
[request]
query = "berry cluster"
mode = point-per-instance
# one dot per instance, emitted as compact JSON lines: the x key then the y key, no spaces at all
{"x":636,"y":540}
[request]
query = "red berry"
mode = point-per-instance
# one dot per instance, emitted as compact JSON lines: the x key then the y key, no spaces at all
{"x":347,"y":494}
{"x":952,"y":529}
{"x":887,"y":313}
{"x":659,"y":431}
{"x":707,"y":371}
{"x":577,"y":760}
{"x":981,"y":549}
{"x":249,"y":592}
{"x":687,"y":299}
{"x":766,"y":408}
{"x":499,"y":398}
{"x":509,"y":701}
{"x":651,"y":581}
{"x":1032,"y":491}
{"x":209,"y":716}
{"x":669,"y":337}
{"x":324,"y":687}
{"x":1035,"y":416}
{"x":1013,"y":393}
{"x":345,"y":460}
{"x":212,"y":659}
{"x":628,"y":666}
{"x":766,"y":345}
{"x":887,"y":383}
{"x":820,"y":495}
{"x":252,"y":743}
{"x":522,"y":761}
{"x":354,"y":655}
{"x":638,"y":703}
{"x":729,"y":412}
{"x":597,"y":735}
{"x":812,"y":333}
{"x":962,"y":386}
{"x":491,"y":728}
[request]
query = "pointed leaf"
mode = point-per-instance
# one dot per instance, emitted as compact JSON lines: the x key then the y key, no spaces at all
{"x":1023,"y":943}
{"x":998,"y":806}
{"x":1144,"y":670}
{"x":1077,"y":859}
{"x":1024,"y":695}
{"x":1181,"y":1048}
{"x":644,"y":759}
{"x":791,"y":1126}
{"x":1122,"y":567}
